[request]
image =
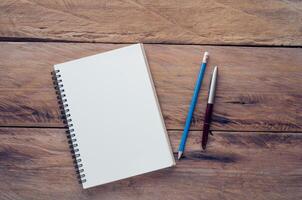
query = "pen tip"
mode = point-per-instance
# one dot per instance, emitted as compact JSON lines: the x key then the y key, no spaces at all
{"x":179,"y":155}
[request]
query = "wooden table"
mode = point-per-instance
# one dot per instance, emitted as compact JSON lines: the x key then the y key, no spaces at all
{"x":256,"y":149}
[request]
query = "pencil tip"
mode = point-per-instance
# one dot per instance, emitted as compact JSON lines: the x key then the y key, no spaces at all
{"x":179,"y":155}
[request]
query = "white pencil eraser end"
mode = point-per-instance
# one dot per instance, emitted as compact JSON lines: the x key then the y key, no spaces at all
{"x":205,"y":57}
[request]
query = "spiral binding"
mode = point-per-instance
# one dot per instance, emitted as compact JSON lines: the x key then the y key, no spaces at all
{"x":71,"y":135}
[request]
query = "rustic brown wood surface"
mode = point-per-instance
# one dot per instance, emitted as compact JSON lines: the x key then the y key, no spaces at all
{"x":258,"y":88}
{"x":36,"y":164}
{"x":255,"y":152}
{"x":271,"y":22}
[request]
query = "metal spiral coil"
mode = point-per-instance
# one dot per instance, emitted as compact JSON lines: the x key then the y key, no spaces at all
{"x":66,"y":116}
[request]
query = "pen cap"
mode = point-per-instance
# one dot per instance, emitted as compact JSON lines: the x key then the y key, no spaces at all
{"x":213,"y":86}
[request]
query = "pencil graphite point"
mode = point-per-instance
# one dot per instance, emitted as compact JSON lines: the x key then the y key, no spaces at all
{"x":179,"y":155}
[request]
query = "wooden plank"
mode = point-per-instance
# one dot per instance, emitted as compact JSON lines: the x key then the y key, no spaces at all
{"x":272,"y":22}
{"x":37,"y":163}
{"x":259,"y":89}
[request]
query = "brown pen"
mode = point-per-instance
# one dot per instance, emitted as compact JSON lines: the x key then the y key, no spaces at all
{"x":209,"y":109}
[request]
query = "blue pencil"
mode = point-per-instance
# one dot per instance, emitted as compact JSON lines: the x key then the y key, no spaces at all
{"x":185,"y":133}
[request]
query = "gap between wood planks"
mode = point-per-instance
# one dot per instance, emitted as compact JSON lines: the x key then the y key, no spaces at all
{"x":194,"y":130}
{"x":47,"y":40}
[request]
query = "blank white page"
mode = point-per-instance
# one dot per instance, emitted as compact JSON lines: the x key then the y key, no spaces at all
{"x":115,"y":114}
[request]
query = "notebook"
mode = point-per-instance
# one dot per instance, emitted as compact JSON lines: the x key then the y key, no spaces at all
{"x":115,"y":123}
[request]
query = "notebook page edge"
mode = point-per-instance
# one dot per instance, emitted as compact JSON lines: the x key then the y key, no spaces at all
{"x":157,"y":104}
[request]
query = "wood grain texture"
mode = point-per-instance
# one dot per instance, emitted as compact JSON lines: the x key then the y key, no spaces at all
{"x":36,"y":163}
{"x":259,"y":89}
{"x":236,"y":22}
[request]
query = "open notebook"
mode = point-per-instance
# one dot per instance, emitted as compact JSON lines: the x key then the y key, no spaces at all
{"x":114,"y":119}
